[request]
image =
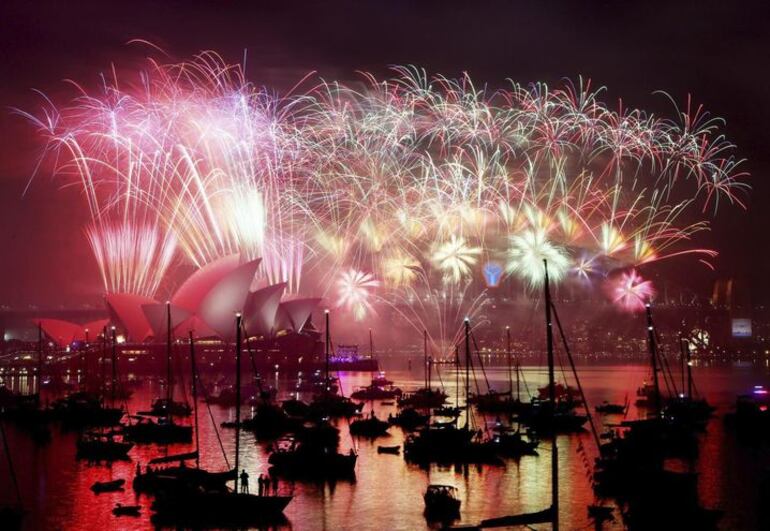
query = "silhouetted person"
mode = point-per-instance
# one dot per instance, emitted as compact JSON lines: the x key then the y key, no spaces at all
{"x":261,"y":485}
{"x":274,"y":480}
{"x":244,"y":482}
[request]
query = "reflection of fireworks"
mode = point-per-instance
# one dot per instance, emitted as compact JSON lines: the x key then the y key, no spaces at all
{"x":630,"y":292}
{"x":354,"y":291}
{"x":455,"y":258}
{"x":526,"y":255}
{"x":411,"y":173}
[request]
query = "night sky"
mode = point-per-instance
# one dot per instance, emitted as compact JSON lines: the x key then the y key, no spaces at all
{"x":718,"y":51}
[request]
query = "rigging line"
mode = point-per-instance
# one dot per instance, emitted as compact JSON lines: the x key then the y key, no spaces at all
{"x":577,"y":379}
{"x":481,"y":361}
{"x":214,"y":424}
{"x":473,"y":371}
{"x":478,"y":353}
{"x":665,"y":366}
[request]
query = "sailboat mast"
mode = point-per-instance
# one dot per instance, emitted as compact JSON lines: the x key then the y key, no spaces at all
{"x":169,"y":389}
{"x":237,"y":394}
{"x":371,"y":354}
{"x":425,"y":358}
{"x":326,"y":351}
{"x":508,"y":356}
{"x":457,"y":378}
{"x":467,"y":372}
{"x":371,"y":361}
{"x":114,"y":367}
{"x":83,"y":352}
{"x":195,"y":400}
{"x":682,"y":362}
{"x":689,"y":368}
{"x":552,"y":398}
{"x":39,"y":360}
{"x":102,"y":361}
{"x":653,"y":358}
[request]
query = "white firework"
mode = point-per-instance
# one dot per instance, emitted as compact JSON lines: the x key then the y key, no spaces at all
{"x":526,"y":254}
{"x":455,"y":258}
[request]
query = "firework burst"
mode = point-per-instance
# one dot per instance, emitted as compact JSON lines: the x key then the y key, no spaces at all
{"x":413,"y":177}
{"x":629,"y":291}
{"x":527,"y":252}
{"x":455,"y":258}
{"x":354,"y":292}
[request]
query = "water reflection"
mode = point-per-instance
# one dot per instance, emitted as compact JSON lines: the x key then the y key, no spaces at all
{"x":387,"y":492}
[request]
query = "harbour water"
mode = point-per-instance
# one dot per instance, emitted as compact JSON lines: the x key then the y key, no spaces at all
{"x":387,"y":492}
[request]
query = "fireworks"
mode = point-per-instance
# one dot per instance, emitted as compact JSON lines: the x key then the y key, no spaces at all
{"x":527,"y":252}
{"x":399,"y":268}
{"x":425,"y":182}
{"x":630,"y":292}
{"x":131,"y":259}
{"x":354,"y":292}
{"x":455,"y":258}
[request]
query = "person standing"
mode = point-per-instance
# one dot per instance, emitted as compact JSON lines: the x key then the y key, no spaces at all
{"x":244,"y":482}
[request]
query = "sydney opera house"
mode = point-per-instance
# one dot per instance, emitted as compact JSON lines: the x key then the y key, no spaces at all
{"x":204,"y":305}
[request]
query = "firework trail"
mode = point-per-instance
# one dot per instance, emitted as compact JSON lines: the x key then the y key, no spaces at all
{"x":422,"y":182}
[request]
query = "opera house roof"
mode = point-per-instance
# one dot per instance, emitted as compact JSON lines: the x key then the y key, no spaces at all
{"x":205,"y":304}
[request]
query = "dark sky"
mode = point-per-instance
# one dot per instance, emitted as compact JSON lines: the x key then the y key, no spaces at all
{"x":718,"y":51}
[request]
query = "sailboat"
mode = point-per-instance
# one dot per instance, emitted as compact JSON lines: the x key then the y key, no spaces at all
{"x":27,"y":411}
{"x":446,"y":442}
{"x":313,"y":451}
{"x":631,"y":466}
{"x":425,"y":397}
{"x":370,"y":426}
{"x":164,"y":430}
{"x":551,"y":514}
{"x":502,"y":402}
{"x":553,"y":412}
{"x":687,"y":408}
{"x":328,"y":404}
{"x":380,"y":387}
{"x":201,"y":504}
{"x":83,"y":409}
{"x":180,"y":476}
{"x":167,"y":406}
{"x":409,"y":419}
{"x":105,"y":445}
{"x":269,"y":421}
